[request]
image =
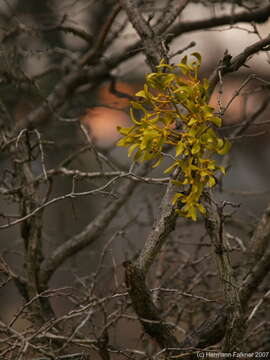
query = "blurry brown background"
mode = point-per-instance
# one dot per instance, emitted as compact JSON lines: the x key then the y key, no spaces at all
{"x":246,"y":183}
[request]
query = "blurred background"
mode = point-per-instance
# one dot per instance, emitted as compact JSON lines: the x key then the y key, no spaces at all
{"x":38,"y":42}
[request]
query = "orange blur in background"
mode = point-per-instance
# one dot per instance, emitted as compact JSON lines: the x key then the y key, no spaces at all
{"x":102,"y":121}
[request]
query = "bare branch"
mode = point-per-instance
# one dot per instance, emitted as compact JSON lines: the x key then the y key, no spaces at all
{"x":151,"y":44}
{"x":168,"y":18}
{"x":261,"y":15}
{"x":164,"y":225}
{"x":214,"y":226}
{"x":145,"y":308}
{"x":88,"y":235}
{"x":229,"y":64}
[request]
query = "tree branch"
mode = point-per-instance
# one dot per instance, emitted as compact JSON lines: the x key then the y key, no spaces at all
{"x":152,"y":46}
{"x":214,"y":226}
{"x":168,"y":17}
{"x":164,"y":225}
{"x":89,"y":234}
{"x":260,"y":16}
{"x":77,"y":77}
{"x":229,"y":64}
{"x":146,"y":309}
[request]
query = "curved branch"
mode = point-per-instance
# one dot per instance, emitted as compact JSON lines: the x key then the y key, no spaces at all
{"x":261,"y":15}
{"x":229,"y":64}
{"x":151,"y":44}
{"x":145,"y":308}
{"x":88,"y":235}
{"x":164,"y":225}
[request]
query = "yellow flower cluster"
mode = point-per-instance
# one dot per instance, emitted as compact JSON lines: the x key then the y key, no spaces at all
{"x":174,"y":111}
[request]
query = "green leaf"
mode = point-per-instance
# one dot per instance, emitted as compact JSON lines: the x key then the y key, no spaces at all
{"x":168,"y":79}
{"x":133,"y":117}
{"x":205,"y":84}
{"x":215,"y":120}
{"x":197,"y":56}
{"x":147,"y":139}
{"x":164,"y":65}
{"x":170,"y":168}
{"x":184,"y":68}
{"x":131,"y":149}
{"x":141,"y":93}
{"x":124,"y":131}
{"x":179,"y":149}
{"x":177,"y":182}
{"x":156,"y":164}
{"x":195,"y":148}
{"x":192,"y":121}
{"x":138,"y":106}
{"x":222,"y":169}
{"x":225,"y":149}
{"x":220,"y":143}
{"x":211,"y":181}
{"x":192,"y":213}
{"x":177,"y":197}
{"x":138,"y":155}
{"x":211,"y":165}
{"x":184,"y":60}
{"x":201,"y":208}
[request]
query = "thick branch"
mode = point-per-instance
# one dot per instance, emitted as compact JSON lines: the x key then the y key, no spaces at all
{"x":261,"y":15}
{"x":258,"y":257}
{"x":31,"y":229}
{"x":152,"y":46}
{"x":213,"y":331}
{"x":146,"y":310}
{"x":168,"y":18}
{"x":164,"y":225}
{"x":214,"y":226}
{"x":228,"y":64}
{"x":209,"y":333}
{"x":255,"y":277}
{"x":260,"y":239}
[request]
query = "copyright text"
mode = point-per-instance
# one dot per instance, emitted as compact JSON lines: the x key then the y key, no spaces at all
{"x":231,"y":355}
